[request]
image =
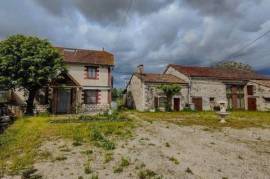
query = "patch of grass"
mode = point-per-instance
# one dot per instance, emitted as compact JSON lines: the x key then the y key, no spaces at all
{"x":123,"y":163}
{"x":108,"y":157}
{"x":210,"y":120}
{"x":19,"y":144}
{"x":94,"y":176}
{"x":167,"y":144}
{"x":45,"y":155}
{"x":60,"y":158}
{"x":174,"y":160}
{"x":148,"y":174}
{"x":101,"y":141}
{"x":87,"y":170}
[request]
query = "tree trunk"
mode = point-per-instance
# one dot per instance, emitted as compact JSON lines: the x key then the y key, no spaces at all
{"x":30,"y":102}
{"x":169,"y":103}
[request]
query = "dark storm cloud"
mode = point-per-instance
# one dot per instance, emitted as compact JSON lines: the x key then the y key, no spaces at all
{"x":155,"y":32}
{"x":104,"y":11}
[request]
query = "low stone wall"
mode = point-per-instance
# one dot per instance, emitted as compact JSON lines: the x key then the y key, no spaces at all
{"x":88,"y":108}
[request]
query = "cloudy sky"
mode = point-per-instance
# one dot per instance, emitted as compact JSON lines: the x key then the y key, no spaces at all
{"x":150,"y":32}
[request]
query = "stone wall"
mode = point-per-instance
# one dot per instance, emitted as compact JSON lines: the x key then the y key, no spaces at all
{"x":260,"y":92}
{"x":151,"y":91}
{"x":135,"y":93}
{"x":95,"y":108}
{"x":208,"y":89}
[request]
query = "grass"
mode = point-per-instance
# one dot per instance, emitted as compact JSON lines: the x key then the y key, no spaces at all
{"x":19,"y":145}
{"x":174,"y":160}
{"x":123,"y":163}
{"x":236,"y":119}
{"x":148,"y":174}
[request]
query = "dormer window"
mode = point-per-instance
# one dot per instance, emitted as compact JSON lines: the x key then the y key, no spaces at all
{"x":92,"y":72}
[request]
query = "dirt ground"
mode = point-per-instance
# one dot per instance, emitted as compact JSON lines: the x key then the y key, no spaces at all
{"x":164,"y":150}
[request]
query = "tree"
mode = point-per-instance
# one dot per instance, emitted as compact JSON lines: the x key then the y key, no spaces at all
{"x":117,"y":93}
{"x":233,"y":65}
{"x":29,"y":63}
{"x":170,"y":91}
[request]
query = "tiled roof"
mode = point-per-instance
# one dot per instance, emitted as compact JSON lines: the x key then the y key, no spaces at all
{"x":262,"y":82}
{"x":159,"y":78}
{"x":94,"y":57}
{"x":210,"y":72}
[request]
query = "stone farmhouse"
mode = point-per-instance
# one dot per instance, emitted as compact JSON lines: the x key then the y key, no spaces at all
{"x":202,"y":88}
{"x":86,"y":86}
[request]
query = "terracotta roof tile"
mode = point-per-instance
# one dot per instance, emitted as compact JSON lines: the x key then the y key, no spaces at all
{"x":159,"y":78}
{"x":262,"y":82}
{"x":217,"y":73}
{"x":94,"y":57}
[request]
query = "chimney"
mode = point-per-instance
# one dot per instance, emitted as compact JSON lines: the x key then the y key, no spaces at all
{"x":140,"y":69}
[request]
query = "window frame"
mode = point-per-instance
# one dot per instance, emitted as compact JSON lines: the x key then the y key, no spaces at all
{"x":88,"y":74}
{"x":86,"y":97}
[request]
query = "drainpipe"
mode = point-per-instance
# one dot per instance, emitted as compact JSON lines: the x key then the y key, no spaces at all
{"x":189,"y":90}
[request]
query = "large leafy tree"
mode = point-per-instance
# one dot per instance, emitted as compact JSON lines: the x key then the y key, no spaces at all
{"x":170,"y":90}
{"x":233,"y":65}
{"x":29,"y":63}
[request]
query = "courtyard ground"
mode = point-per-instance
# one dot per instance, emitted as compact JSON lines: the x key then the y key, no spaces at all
{"x":138,"y":145}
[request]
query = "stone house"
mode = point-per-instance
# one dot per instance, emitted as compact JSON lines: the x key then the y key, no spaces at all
{"x":86,"y":86}
{"x":206,"y":87}
{"x":142,"y":91}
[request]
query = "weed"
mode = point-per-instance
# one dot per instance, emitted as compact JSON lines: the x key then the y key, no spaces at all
{"x":80,"y":177}
{"x":94,"y":177}
{"x":108,"y":157}
{"x":60,"y":158}
{"x":148,"y":174}
{"x":174,"y":160}
{"x":188,"y":170}
{"x":88,"y":170}
{"x":167,"y":144}
{"x":124,"y":163}
{"x":101,"y":141}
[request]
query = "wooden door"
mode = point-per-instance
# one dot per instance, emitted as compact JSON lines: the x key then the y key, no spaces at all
{"x":252,"y":104}
{"x":197,"y":101}
{"x":63,"y":101}
{"x":176,"y":104}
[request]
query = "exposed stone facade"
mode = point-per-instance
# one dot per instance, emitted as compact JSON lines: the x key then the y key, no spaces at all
{"x":208,"y":89}
{"x":261,"y":93}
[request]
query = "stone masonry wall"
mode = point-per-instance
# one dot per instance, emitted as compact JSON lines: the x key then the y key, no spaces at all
{"x":208,"y":89}
{"x":260,"y":92}
{"x":135,"y":89}
{"x":151,"y":91}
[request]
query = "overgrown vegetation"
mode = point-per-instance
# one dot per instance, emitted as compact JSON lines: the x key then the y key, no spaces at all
{"x":20,"y":143}
{"x":236,"y":119}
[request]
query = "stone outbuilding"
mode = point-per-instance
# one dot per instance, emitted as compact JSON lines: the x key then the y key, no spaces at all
{"x":143,"y":94}
{"x":203,"y":88}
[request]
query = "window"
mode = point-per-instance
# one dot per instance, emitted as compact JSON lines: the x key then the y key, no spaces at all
{"x":267,"y":100}
{"x":3,"y":96}
{"x":92,"y":72}
{"x":162,"y":102}
{"x":250,"y":90}
{"x":90,"y":96}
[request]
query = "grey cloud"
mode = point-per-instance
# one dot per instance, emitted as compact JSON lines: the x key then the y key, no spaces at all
{"x":156,"y":32}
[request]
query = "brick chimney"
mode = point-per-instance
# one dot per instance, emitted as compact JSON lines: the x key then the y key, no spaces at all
{"x":140,"y":69}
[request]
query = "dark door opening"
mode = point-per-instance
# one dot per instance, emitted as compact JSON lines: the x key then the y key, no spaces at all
{"x":176,"y":104}
{"x":252,"y":104}
{"x":197,"y":101}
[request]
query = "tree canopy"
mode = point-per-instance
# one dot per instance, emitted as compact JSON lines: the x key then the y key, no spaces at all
{"x":170,"y":91}
{"x":29,"y":63}
{"x":233,"y":65}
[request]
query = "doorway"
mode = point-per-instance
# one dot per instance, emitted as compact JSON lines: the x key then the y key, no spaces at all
{"x":176,"y":104}
{"x":63,"y":100}
{"x":197,"y":101}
